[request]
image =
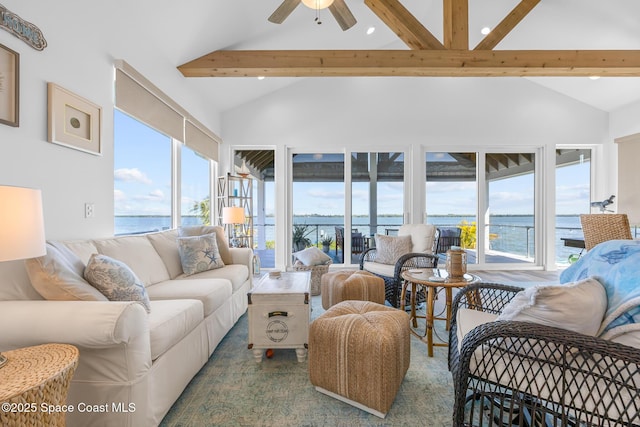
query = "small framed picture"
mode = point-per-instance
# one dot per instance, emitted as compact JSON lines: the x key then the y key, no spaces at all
{"x":9,"y":86}
{"x":73,"y":121}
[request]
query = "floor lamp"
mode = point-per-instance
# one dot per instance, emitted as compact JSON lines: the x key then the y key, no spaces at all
{"x":233,"y":215}
{"x":21,"y":226}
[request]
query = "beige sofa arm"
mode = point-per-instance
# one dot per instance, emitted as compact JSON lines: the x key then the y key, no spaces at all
{"x":242,"y":256}
{"x":86,"y":324}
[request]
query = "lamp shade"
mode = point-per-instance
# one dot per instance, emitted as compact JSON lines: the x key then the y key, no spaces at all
{"x":317,"y":4}
{"x":233,"y":215}
{"x":21,"y":223}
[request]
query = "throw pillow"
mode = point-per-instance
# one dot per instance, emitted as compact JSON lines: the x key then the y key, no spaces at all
{"x":579,"y":306}
{"x":390,"y":248}
{"x":57,"y":276}
{"x":221,"y":238}
{"x":115,"y":280}
{"x":199,"y":253}
{"x":312,"y":256}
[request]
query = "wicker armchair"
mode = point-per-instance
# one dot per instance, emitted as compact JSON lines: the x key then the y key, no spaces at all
{"x":316,"y":274}
{"x":598,"y":228}
{"x":509,"y":373}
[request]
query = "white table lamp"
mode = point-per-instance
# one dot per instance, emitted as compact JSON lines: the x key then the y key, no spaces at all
{"x":21,"y":226}
{"x":233,"y":215}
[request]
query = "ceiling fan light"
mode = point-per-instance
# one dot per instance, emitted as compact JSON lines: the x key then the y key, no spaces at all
{"x":317,"y":4}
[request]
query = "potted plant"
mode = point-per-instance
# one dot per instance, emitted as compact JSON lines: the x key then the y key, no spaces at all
{"x":300,"y":239}
{"x":326,"y":243}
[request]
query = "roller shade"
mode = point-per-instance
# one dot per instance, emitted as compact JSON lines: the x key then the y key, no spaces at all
{"x":628,"y":197}
{"x":200,"y":142}
{"x":138,"y":102}
{"x":137,"y":96}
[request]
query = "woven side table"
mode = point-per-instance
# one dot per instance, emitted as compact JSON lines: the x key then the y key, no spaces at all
{"x":33,"y":379}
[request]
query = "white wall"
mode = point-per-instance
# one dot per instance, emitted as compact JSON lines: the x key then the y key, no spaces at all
{"x":84,"y":38}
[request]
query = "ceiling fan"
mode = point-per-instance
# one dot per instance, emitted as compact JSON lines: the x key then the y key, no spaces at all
{"x":338,"y":9}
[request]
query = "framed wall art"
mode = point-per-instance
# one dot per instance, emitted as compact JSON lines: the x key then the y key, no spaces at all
{"x":73,"y":121}
{"x":9,"y":86}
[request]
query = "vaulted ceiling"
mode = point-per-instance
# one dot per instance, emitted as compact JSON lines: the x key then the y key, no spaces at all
{"x":204,"y":26}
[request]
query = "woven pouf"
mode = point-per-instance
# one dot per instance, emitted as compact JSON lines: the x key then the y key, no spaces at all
{"x":359,"y":353}
{"x":346,"y":285}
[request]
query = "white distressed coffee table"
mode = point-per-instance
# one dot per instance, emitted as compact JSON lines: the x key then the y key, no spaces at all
{"x":279,"y":314}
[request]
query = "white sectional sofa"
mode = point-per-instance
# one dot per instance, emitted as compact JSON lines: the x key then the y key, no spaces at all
{"x":130,"y":358}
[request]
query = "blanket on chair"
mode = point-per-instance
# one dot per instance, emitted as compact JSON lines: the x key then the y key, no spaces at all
{"x":615,"y":264}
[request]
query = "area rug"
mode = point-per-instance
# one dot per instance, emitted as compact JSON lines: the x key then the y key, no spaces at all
{"x":233,"y":390}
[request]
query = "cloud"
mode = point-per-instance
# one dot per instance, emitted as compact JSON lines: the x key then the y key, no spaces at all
{"x":155,"y":195}
{"x":130,"y":175}
{"x":119,"y":195}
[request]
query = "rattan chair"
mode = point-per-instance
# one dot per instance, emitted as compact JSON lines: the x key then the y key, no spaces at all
{"x":598,"y":228}
{"x":512,"y":373}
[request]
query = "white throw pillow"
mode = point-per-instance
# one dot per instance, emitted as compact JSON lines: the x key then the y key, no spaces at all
{"x":58,"y":276}
{"x":578,"y":307}
{"x":115,"y":280}
{"x":199,"y":253}
{"x":390,"y":248}
{"x":312,"y":256}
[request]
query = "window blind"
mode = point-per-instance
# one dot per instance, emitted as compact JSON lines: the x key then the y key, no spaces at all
{"x":628,"y":196}
{"x":141,"y":99}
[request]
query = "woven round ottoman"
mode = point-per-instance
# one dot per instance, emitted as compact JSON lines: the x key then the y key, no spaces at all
{"x":346,"y":285}
{"x":359,"y":353}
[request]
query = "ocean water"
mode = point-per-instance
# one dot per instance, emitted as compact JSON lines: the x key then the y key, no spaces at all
{"x":512,"y":234}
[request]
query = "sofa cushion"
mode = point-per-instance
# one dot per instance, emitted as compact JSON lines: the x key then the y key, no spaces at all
{"x":199,"y":253}
{"x":211,"y":293}
{"x":58,"y":276}
{"x":390,"y":248}
{"x":115,"y":280}
{"x":170,"y":321}
{"x":82,"y":248}
{"x":237,"y":274}
{"x":138,"y":253}
{"x":579,"y":307}
{"x":165,"y":243}
{"x":221,"y":238}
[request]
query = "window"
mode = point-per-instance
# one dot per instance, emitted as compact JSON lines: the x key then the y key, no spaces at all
{"x":142,"y":177}
{"x":195,"y":188}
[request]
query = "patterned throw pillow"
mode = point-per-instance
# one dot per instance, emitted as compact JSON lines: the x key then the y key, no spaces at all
{"x":115,"y":280}
{"x":199,"y":253}
{"x":390,"y":248}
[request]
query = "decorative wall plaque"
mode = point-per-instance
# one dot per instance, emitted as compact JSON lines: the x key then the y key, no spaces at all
{"x":22,"y":29}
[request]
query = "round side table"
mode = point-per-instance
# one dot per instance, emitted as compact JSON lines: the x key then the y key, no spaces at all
{"x":33,"y":380}
{"x":434,"y":280}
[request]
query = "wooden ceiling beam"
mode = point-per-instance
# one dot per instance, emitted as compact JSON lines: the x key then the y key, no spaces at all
{"x":404,"y":24}
{"x":496,"y":35}
{"x":455,"y":63}
{"x":456,"y":24}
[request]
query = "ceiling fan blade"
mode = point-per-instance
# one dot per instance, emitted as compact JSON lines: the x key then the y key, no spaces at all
{"x":343,"y":15}
{"x":283,"y":11}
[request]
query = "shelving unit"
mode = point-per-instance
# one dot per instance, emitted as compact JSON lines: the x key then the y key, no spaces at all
{"x":237,"y":191}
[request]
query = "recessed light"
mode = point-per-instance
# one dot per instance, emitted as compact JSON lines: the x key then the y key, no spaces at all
{"x":371,"y":30}
{"x":260,"y":77}
{"x":594,"y":77}
{"x":485,"y":30}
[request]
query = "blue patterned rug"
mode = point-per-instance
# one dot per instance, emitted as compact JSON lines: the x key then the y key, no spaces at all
{"x":233,"y":390}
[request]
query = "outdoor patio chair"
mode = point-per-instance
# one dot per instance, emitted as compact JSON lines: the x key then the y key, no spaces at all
{"x":358,"y":241}
{"x":447,"y":237}
{"x":420,"y":254}
{"x":599,"y":228}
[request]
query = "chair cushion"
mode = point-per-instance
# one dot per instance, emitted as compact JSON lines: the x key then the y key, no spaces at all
{"x":390,"y":248}
{"x":199,"y":253}
{"x":170,"y":321}
{"x":386,"y":270}
{"x":423,"y":236}
{"x":578,"y":307}
{"x":211,"y":293}
{"x":468,"y":319}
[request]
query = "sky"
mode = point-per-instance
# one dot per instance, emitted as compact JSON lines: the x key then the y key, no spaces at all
{"x":142,"y":165}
